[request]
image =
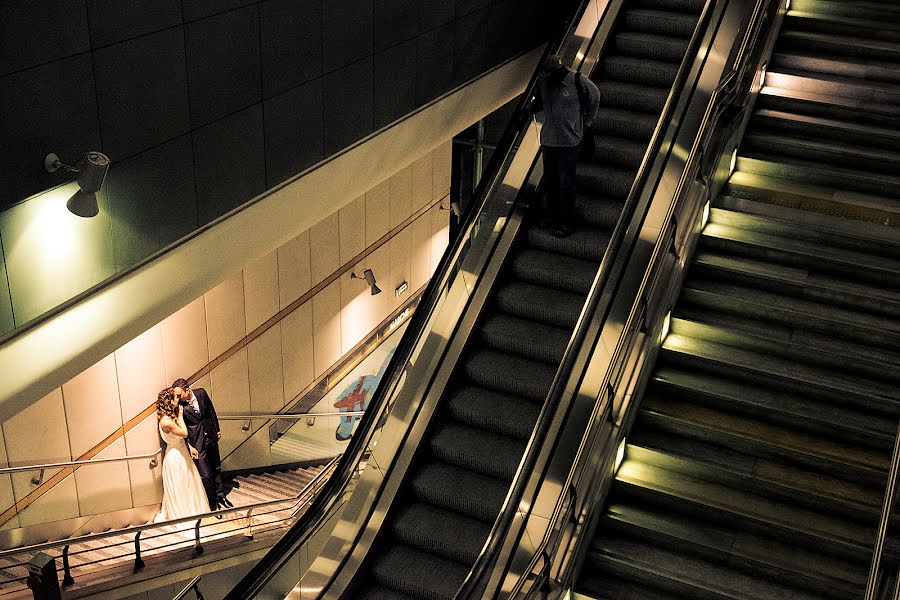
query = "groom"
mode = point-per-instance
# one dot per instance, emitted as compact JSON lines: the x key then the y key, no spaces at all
{"x":203,"y":439}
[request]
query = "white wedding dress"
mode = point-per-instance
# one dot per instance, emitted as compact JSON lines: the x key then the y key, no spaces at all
{"x":183,"y":493}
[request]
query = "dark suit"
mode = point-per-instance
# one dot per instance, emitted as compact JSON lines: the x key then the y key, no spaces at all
{"x":203,"y":435}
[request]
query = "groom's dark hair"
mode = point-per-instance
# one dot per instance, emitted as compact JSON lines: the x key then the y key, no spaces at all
{"x":181,"y":383}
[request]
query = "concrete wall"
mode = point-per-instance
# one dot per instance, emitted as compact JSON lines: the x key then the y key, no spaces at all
{"x":263,"y":376}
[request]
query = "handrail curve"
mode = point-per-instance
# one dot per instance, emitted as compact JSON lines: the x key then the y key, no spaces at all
{"x":80,"y":463}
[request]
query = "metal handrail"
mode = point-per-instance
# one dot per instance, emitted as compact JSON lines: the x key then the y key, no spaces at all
{"x":139,"y":528}
{"x":554,"y":396}
{"x":289,"y":416}
{"x":79,"y":463}
{"x":192,"y":585}
{"x":886,"y":510}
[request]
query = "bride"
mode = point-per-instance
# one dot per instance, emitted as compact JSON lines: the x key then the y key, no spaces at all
{"x":183,"y":493}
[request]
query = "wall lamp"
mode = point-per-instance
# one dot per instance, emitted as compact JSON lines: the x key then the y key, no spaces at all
{"x":369,"y":277}
{"x":455,"y":209}
{"x":91,"y":169}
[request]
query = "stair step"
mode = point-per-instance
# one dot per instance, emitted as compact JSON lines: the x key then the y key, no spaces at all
{"x":838,"y":45}
{"x":528,"y":339}
{"x":760,"y":556}
{"x":875,"y":11}
{"x":772,"y":479}
{"x":850,"y":265}
{"x":509,"y":374}
{"x":814,"y":198}
{"x":800,"y":412}
{"x":850,"y":26}
{"x":413,"y":572}
{"x":553,"y":270}
{"x":680,"y":574}
{"x":786,"y":343}
{"x":483,"y":408}
{"x":773,"y":147}
{"x":797,"y":282}
{"x":539,"y":304}
{"x":834,"y":85}
{"x":624,"y":123}
{"x":660,"y":22}
{"x":604,"y":180}
{"x":650,"y":46}
{"x":633,"y":97}
{"x":459,"y":491}
{"x":821,"y":127}
{"x":477,"y":450}
{"x":586,"y":242}
{"x":823,"y":175}
{"x":839,"y":388}
{"x":844,"y":233}
{"x":764,"y":440}
{"x":452,"y":537}
{"x":745,"y":511}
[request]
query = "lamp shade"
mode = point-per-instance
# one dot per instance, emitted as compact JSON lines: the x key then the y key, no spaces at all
{"x":83,"y":204}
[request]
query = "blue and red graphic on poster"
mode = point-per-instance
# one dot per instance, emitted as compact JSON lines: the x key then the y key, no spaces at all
{"x":356,"y":398}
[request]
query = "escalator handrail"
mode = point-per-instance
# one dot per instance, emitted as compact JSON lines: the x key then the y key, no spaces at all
{"x":884,"y":521}
{"x":218,"y":514}
{"x":268,"y":566}
{"x":482,"y":568}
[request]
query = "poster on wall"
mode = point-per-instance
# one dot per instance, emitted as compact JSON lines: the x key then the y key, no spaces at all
{"x":324,"y":437}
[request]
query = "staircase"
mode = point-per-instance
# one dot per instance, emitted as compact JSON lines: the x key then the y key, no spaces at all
{"x":757,"y":464}
{"x":456,"y":486}
{"x":109,"y":562}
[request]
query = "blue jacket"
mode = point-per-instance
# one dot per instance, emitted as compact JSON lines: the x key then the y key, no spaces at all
{"x":563,"y":124}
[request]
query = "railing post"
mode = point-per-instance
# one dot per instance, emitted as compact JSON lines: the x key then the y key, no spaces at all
{"x":249,"y":532}
{"x":37,"y":479}
{"x":67,"y":573}
{"x":198,"y":547}
{"x":138,"y":561}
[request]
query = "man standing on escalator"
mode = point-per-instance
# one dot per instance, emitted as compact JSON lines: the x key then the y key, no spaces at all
{"x":569,"y":101}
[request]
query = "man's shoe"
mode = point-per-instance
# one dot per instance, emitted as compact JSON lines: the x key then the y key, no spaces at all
{"x":225,"y":502}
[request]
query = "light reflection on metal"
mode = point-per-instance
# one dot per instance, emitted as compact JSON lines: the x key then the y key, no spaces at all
{"x":667,"y":324}
{"x":620,"y":455}
{"x":762,"y":75}
{"x":787,"y":5}
{"x":733,"y":162}
{"x":705,"y":218}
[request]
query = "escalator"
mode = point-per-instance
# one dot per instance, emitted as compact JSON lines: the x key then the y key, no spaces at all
{"x":455,"y":487}
{"x":758,"y":460}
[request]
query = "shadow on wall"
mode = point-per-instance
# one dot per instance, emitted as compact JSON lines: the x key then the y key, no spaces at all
{"x":204,"y":108}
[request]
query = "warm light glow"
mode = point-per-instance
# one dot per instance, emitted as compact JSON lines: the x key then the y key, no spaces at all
{"x":762,"y":76}
{"x":705,"y":218}
{"x":787,"y":5}
{"x":667,"y":323}
{"x":733,"y":162}
{"x":580,"y":56}
{"x":620,"y":455}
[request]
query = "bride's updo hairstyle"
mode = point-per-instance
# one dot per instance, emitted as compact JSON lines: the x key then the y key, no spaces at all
{"x":164,"y":404}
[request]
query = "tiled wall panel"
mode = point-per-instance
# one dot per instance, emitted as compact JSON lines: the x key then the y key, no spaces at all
{"x":269,"y":372}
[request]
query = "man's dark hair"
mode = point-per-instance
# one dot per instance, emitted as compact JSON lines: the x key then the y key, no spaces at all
{"x":181,"y":383}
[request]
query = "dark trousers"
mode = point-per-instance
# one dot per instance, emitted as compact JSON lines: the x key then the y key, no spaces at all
{"x":210,"y":466}
{"x":559,"y":182}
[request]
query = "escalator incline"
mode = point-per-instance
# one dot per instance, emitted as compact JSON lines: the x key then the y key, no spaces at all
{"x":465,"y":464}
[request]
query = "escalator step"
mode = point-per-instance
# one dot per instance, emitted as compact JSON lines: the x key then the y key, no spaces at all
{"x":636,"y":70}
{"x":423,"y":527}
{"x":539,"y":304}
{"x":690,"y":6}
{"x":525,"y":338}
{"x":599,"y":212}
{"x":509,"y":374}
{"x":650,"y":46}
{"x":383,"y":593}
{"x":478,"y":450}
{"x":418,"y":574}
{"x":460,"y":491}
{"x":618,"y":151}
{"x":632,"y":125}
{"x":661,"y":22}
{"x":482,"y":408}
{"x":585,"y":242}
{"x":604,"y":180}
{"x":633,"y":97}
{"x":554,"y":270}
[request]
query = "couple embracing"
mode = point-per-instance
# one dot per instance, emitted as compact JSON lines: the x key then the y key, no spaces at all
{"x":191,"y":470}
